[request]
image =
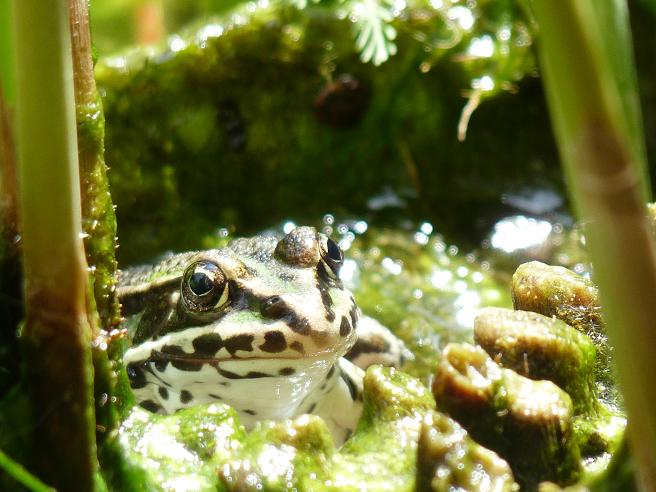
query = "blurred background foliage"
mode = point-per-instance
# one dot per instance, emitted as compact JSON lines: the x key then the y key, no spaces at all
{"x":214,"y":127}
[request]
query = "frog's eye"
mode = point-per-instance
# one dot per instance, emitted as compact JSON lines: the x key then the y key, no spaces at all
{"x":333,"y":257}
{"x":204,"y":287}
{"x":334,"y":252}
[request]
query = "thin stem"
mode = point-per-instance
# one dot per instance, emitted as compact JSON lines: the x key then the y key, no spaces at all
{"x":21,"y":475}
{"x":56,"y":334}
{"x":585,"y":55}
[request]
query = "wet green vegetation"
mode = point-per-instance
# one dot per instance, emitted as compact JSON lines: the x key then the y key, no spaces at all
{"x":208,"y":136}
{"x":223,"y":120}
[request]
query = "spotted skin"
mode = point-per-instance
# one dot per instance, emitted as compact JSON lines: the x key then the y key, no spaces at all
{"x":263,"y":325}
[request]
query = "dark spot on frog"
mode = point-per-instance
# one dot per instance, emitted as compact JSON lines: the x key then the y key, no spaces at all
{"x":327,"y":301}
{"x":326,"y":279}
{"x":287,"y":371}
{"x":216,"y":397}
{"x":150,"y":405}
{"x":274,"y":342}
{"x":239,"y":342}
{"x":275,"y":307}
{"x":136,"y":375}
{"x":207,"y":345}
{"x":234,"y":375}
{"x":372,"y":345}
{"x":256,"y":374}
{"x":353,"y":313}
{"x":185,"y":396}
{"x":353,"y":390}
{"x":178,"y":358}
{"x":161,"y":364}
{"x":250,"y":412}
{"x":163,"y":392}
{"x":343,"y":102}
{"x":233,"y":125}
{"x":344,"y":327}
{"x":298,"y":346}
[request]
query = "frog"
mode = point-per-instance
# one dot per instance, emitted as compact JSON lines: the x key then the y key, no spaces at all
{"x":264,"y":325}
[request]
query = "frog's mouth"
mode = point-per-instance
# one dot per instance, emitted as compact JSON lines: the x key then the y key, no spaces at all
{"x":163,"y":357}
{"x":232,"y":367}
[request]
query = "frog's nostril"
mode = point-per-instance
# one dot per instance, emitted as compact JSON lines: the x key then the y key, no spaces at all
{"x":273,"y":308}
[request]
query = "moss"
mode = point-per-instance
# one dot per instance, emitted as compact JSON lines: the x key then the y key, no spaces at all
{"x":529,"y":423}
{"x":217,"y":130}
{"x":423,"y":289}
{"x":206,"y":448}
{"x":538,"y":347}
{"x":448,"y":459}
{"x":561,"y":293}
{"x":98,"y":219}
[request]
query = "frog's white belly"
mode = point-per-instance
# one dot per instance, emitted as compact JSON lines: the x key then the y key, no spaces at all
{"x":270,"y":393}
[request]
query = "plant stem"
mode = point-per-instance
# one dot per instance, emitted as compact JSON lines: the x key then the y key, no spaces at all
{"x":98,"y":219}
{"x":6,"y":53}
{"x":21,"y":475}
{"x":586,"y":60}
{"x":56,"y":333}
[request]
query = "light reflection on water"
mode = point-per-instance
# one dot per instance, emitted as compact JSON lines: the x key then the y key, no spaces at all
{"x":519,"y":232}
{"x":425,"y":289}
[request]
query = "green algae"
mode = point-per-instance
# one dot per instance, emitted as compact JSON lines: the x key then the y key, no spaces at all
{"x":529,"y":423}
{"x":98,"y":218}
{"x":423,"y":289}
{"x":538,"y":347}
{"x":574,"y":299}
{"x":205,"y":447}
{"x":446,"y":456}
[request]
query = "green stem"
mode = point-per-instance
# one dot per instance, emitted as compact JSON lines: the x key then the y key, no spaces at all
{"x":585,"y":55}
{"x":6,"y":53}
{"x":56,"y":334}
{"x":21,"y":475}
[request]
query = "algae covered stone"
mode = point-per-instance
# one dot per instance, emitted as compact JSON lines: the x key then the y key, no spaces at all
{"x":538,"y":347}
{"x":529,"y":423}
{"x":558,"y":292}
{"x":448,"y":459}
{"x":561,"y":293}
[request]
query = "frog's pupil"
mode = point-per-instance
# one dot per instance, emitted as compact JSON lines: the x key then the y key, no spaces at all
{"x":334,"y":252}
{"x":200,"y":283}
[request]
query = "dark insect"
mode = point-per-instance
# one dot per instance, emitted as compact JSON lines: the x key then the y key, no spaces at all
{"x":343,"y":102}
{"x":233,"y":125}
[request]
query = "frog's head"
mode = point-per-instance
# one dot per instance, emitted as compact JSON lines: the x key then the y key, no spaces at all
{"x":259,"y":307}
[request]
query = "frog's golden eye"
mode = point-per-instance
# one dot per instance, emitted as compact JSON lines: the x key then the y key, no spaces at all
{"x":205,"y":287}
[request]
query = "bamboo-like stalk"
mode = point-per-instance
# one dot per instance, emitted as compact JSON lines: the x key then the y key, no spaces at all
{"x":586,"y":60}
{"x":8,"y":182}
{"x":6,"y":52}
{"x":56,"y":334}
